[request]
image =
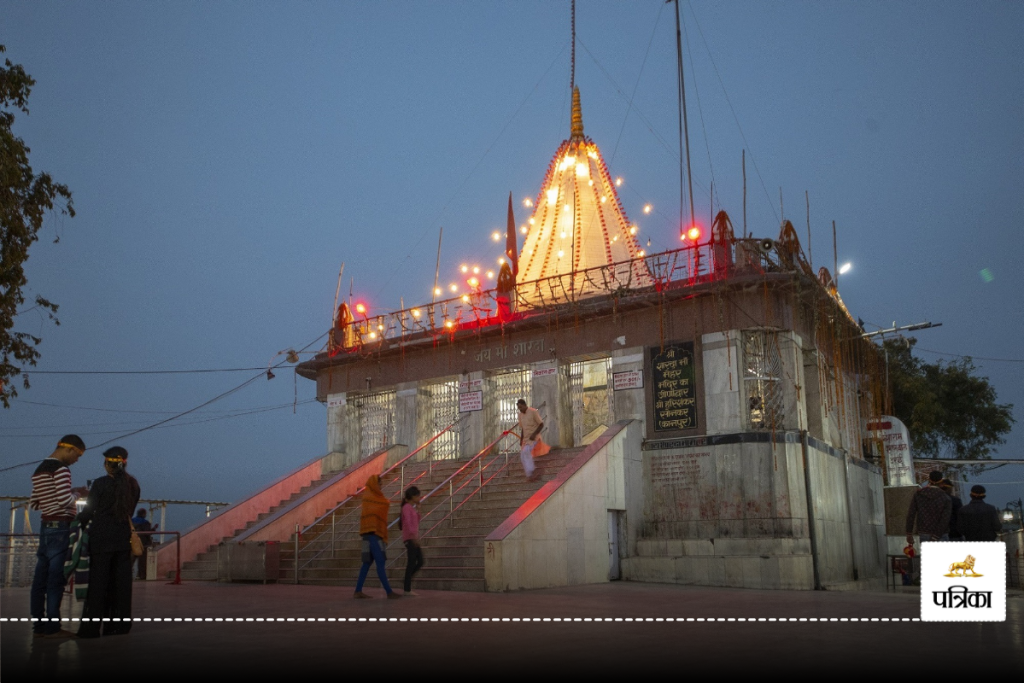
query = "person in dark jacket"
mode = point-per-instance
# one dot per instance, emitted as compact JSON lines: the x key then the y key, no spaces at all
{"x":954,"y":527}
{"x":930,"y":508}
{"x":979,"y":521}
{"x":140,"y":523}
{"x":107,"y":512}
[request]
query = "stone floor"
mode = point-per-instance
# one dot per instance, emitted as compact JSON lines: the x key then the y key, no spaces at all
{"x":162,"y":650}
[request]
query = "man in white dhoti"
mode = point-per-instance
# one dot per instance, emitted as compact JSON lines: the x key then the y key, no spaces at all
{"x":530,"y":425}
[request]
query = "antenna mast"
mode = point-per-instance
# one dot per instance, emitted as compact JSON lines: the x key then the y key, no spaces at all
{"x":685,"y":132}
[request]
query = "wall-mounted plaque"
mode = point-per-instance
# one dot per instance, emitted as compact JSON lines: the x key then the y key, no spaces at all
{"x":674,"y":387}
{"x":471,"y":401}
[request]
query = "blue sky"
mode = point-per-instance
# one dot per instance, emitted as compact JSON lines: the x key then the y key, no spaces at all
{"x":225,"y":158}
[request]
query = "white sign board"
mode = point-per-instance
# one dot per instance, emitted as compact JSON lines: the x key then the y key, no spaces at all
{"x":631,"y":379}
{"x":546,"y":372}
{"x":471,"y":401}
{"x":895,"y":438}
{"x":471,"y":385}
{"x":335,"y":400}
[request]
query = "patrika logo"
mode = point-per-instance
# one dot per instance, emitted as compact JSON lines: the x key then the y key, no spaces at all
{"x":961,"y":568}
{"x":952,"y":589}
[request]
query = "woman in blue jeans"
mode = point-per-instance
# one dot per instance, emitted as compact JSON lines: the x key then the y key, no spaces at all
{"x":373,"y":527}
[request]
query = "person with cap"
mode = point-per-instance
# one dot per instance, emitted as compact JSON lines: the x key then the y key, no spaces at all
{"x":373,"y":529}
{"x":979,"y":521}
{"x":53,"y":496}
{"x":931,"y":508}
{"x":107,"y":514}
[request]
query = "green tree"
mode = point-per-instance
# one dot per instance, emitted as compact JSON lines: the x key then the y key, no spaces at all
{"x":950,"y":411}
{"x":25,"y":200}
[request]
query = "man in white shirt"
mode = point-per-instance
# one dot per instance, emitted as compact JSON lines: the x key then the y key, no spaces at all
{"x":530,"y":425}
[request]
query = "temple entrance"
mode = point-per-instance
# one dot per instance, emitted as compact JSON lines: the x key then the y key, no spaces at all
{"x":588,"y":385}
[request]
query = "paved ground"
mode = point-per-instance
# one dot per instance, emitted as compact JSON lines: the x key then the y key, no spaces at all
{"x":172,"y":650}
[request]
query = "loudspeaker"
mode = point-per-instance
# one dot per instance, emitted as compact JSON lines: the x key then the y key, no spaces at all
{"x":766,"y":245}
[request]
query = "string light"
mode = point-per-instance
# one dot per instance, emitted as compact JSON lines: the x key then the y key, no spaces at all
{"x":552,"y":196}
{"x":373,"y":335}
{"x":531,"y":221}
{"x":415,"y":312}
{"x":561,"y":253}
{"x":523,"y":229}
{"x":360,"y":309}
{"x":490,"y":274}
{"x":465,"y":298}
{"x":473,"y":282}
{"x":642,"y":253}
{"x":604,"y":199}
{"x":501,"y":261}
{"x":448,"y":324}
{"x":528,"y":203}
{"x":632,"y":230}
{"x":476,"y":270}
{"x":496,"y":236}
{"x":437,"y":291}
{"x":647,"y":208}
{"x":454,"y":287}
{"x":618,"y":182}
{"x":465,"y":268}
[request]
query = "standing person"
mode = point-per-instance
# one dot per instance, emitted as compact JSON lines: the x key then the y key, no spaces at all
{"x":954,"y":525}
{"x":53,"y":496}
{"x":140,"y":523}
{"x":530,"y":423}
{"x":107,"y":513}
{"x":931,"y":508}
{"x":373,"y":528}
{"x":979,"y":521}
{"x":409,"y":523}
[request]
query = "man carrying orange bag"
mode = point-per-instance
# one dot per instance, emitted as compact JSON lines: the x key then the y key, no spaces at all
{"x":530,"y":423}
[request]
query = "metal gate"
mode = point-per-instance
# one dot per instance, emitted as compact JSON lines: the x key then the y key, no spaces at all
{"x":376,"y":421}
{"x":762,"y":379}
{"x":444,"y":404}
{"x":507,"y":389}
{"x":588,"y":388}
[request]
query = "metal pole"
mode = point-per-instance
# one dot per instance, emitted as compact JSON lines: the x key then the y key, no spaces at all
{"x":333,"y":514}
{"x":296,"y":554}
{"x":9,"y":572}
{"x":163,"y":516}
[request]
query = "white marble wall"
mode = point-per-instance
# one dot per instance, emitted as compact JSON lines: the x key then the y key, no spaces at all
{"x":723,"y":382}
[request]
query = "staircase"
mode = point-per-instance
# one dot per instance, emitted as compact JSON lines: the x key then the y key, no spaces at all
{"x":204,"y":567}
{"x":453,"y":542}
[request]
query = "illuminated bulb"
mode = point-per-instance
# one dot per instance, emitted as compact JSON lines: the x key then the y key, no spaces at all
{"x":552,"y":196}
{"x":454,"y":288}
{"x":582,"y":170}
{"x":448,"y":323}
{"x":490,"y":274}
{"x":561,"y":253}
{"x":465,"y":298}
{"x":415,"y":312}
{"x":465,"y":268}
{"x":496,"y":236}
{"x":604,"y":199}
{"x":437,"y":291}
{"x":360,"y":308}
{"x":373,"y":335}
{"x":632,"y":230}
{"x":563,"y":234}
{"x":473,"y":282}
{"x":618,"y":182}
{"x":567,"y":207}
{"x":642,"y":252}
{"x":523,"y":229}
{"x":528,"y":202}
{"x":501,"y":261}
{"x":476,"y":270}
{"x":845,"y":268}
{"x":380,"y":327}
{"x":592,"y":154}
{"x":693,"y":233}
{"x":647,"y":208}
{"x":590,"y":182}
{"x":531,"y":221}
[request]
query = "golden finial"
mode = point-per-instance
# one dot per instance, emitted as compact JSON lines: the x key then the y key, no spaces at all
{"x":577,"y":115}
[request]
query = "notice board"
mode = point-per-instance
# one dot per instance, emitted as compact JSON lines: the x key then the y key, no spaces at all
{"x":674,"y":387}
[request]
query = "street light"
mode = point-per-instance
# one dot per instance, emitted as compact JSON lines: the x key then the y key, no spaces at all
{"x":1014,"y":511}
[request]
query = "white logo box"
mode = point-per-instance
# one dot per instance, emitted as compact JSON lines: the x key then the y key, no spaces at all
{"x":964,"y":596}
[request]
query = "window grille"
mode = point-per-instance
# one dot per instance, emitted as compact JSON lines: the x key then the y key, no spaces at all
{"x":444,"y":401}
{"x":762,"y":378}
{"x":376,"y":421}
{"x":507,"y":389}
{"x":588,"y":386}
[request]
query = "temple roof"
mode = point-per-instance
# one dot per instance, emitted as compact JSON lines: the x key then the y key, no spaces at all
{"x":578,"y":222}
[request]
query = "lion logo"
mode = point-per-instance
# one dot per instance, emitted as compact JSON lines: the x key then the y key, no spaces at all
{"x":961,"y":568}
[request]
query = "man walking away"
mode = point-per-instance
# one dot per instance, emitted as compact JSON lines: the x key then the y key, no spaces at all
{"x":53,"y":496}
{"x":979,"y":521}
{"x":530,"y":424}
{"x":954,"y":528}
{"x":931,"y":508}
{"x":140,"y":523}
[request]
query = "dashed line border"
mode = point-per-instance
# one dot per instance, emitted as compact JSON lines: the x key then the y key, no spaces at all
{"x":470,"y":619}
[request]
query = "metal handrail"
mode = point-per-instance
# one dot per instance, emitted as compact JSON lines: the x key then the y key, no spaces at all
{"x":333,"y":512}
{"x":382,"y":474}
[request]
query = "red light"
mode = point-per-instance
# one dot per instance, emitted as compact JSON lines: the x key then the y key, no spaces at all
{"x":693,"y":233}
{"x":361,"y":309}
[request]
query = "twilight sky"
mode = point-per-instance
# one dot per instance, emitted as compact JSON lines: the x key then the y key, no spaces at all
{"x":225,"y":158}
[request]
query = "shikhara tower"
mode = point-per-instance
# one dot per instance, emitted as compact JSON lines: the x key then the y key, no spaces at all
{"x":578,"y":222}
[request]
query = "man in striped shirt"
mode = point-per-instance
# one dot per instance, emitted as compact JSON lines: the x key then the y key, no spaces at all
{"x":53,"y":496}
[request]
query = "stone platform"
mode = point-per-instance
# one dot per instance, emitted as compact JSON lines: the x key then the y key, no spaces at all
{"x":419,"y":646}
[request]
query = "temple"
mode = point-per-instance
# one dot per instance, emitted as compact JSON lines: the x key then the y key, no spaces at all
{"x":704,"y":405}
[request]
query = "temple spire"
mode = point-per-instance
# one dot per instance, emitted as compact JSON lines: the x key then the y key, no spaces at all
{"x":577,"y":116}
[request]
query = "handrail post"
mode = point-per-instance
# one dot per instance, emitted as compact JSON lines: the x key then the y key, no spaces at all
{"x":403,"y":480}
{"x":296,"y":554}
{"x":333,"y":515}
{"x":451,"y":498}
{"x":480,"y":469}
